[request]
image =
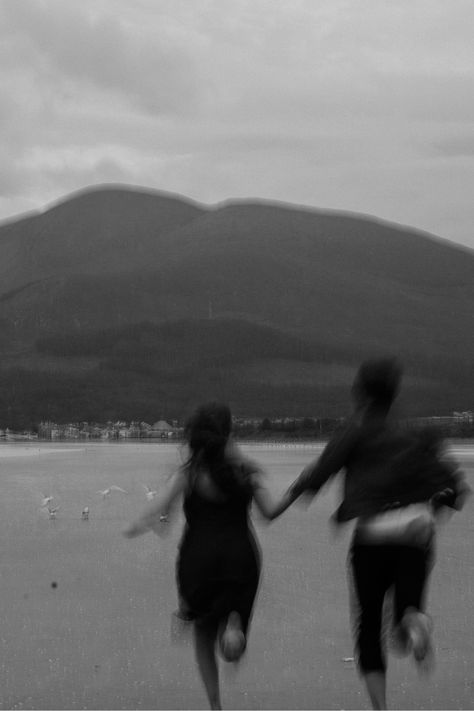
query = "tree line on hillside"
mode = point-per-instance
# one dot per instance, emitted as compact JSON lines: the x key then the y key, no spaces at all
{"x":174,"y":347}
{"x":135,"y":345}
{"x":145,"y":371}
{"x":28,"y":397}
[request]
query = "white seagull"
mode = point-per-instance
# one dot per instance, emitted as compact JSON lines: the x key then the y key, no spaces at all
{"x":150,"y":495}
{"x":108,"y":491}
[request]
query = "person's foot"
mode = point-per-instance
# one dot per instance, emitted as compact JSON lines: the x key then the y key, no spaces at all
{"x":232,"y":641}
{"x":418,"y":628}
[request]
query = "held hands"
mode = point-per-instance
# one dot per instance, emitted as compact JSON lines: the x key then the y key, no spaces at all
{"x":291,"y":495}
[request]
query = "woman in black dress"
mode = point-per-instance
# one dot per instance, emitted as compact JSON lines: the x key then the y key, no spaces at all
{"x":218,"y":568}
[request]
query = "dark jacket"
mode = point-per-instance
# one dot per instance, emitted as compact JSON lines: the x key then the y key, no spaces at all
{"x":385,"y":467}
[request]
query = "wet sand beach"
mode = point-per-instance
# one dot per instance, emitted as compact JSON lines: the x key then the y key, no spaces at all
{"x":86,"y":613}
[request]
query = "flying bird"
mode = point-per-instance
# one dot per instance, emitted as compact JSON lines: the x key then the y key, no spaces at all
{"x":52,"y":512}
{"x":150,"y":495}
{"x":108,"y":491}
{"x":46,"y":501}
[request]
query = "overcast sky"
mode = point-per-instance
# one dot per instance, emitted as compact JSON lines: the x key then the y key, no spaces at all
{"x":360,"y":105}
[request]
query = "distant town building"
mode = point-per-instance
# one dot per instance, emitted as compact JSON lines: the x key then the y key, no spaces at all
{"x":163,"y":430}
{"x":466,"y":417}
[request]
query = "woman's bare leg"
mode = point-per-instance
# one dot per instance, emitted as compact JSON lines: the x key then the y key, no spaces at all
{"x":205,"y":645}
{"x":376,"y":686}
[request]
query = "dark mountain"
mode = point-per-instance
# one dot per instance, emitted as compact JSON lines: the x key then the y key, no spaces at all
{"x":264,"y":295}
{"x":103,"y":231}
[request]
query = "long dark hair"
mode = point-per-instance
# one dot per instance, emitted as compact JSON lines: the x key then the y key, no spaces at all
{"x":207,"y":433}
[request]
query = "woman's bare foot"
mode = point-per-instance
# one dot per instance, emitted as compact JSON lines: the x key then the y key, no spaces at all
{"x":418,"y":627}
{"x":232,"y":641}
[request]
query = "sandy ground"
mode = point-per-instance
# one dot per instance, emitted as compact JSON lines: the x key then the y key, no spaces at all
{"x":86,"y":613}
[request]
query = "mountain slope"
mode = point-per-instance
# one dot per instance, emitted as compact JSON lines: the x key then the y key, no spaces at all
{"x":345,"y":286}
{"x":101,"y":231}
{"x":143,"y":371}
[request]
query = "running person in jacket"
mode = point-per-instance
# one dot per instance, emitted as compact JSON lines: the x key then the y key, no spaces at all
{"x":394,"y":480}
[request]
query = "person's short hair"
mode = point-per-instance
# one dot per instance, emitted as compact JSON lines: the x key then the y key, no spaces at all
{"x":379,"y":380}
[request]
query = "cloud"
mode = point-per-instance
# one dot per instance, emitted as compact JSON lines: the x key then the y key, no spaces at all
{"x":364,"y":106}
{"x":74,"y":44}
{"x":456,"y":146}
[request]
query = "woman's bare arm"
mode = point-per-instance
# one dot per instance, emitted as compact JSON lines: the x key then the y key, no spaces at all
{"x":264,"y":500}
{"x":269,"y":509}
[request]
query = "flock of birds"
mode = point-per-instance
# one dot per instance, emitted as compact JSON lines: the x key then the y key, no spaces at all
{"x":47,"y":501}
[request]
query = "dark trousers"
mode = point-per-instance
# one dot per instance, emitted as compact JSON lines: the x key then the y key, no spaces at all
{"x":376,"y":569}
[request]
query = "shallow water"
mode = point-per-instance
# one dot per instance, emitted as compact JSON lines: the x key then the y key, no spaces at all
{"x":86,"y":613}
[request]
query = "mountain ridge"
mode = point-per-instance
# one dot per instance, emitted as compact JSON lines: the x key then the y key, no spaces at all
{"x":354,"y":285}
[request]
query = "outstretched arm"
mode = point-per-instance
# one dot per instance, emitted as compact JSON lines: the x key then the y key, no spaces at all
{"x":318,"y":472}
{"x":265,"y":504}
{"x":263,"y":499}
{"x":334,"y":457}
{"x":174,"y":487}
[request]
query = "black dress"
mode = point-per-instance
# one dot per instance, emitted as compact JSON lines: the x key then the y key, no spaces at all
{"x":219,"y":561}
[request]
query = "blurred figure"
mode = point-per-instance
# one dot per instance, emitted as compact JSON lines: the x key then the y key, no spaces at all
{"x":395,"y":483}
{"x":218,"y":567}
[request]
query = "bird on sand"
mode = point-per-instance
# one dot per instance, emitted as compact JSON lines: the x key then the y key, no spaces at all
{"x":106,"y":492}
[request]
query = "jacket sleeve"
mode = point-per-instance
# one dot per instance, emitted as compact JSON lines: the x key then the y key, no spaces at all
{"x":456,"y":490}
{"x":333,"y":458}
